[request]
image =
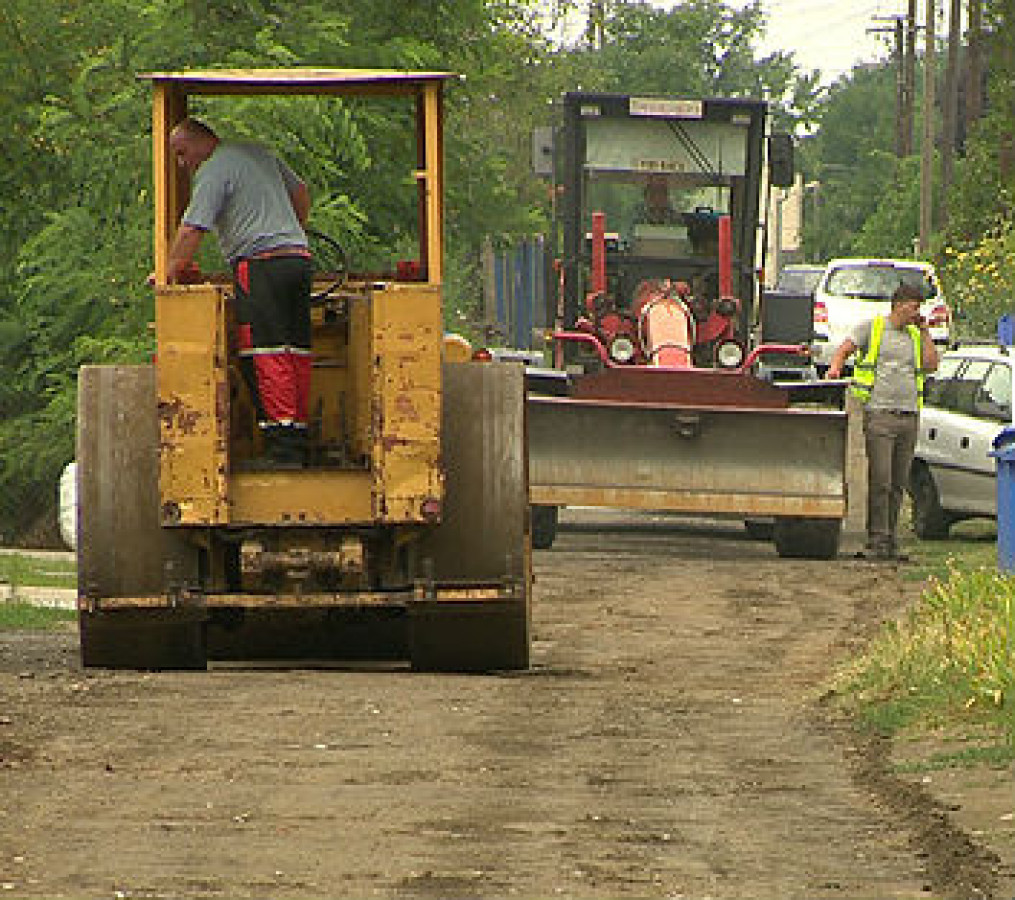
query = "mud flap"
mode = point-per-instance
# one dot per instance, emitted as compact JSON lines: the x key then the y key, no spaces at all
{"x":807,"y":538}
{"x":122,"y":550}
{"x":143,"y":639}
{"x":483,"y":536}
{"x":464,"y":636}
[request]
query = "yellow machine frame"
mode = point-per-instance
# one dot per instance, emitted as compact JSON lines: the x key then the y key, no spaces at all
{"x":388,"y":370}
{"x":414,"y":504}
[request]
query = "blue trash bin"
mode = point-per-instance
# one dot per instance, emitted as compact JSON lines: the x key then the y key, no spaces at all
{"x":1004,"y":454}
{"x":1006,"y":330}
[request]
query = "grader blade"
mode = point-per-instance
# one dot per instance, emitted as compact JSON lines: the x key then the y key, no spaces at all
{"x":784,"y":463}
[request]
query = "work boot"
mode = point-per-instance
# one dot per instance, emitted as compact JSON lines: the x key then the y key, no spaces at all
{"x":286,"y":445}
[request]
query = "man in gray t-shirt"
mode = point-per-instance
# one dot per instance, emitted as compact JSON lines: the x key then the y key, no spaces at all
{"x":895,"y":352}
{"x":257,"y":207}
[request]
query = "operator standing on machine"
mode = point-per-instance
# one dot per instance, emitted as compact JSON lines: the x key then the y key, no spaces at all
{"x":257,"y":207}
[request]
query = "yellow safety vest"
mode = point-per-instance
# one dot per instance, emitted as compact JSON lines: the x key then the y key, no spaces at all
{"x":866,"y":368}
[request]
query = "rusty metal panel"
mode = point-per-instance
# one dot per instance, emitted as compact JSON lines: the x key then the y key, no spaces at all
{"x":705,"y":388}
{"x":302,"y":497}
{"x":742,"y":462}
{"x":360,"y":372}
{"x":193,"y":404}
{"x":406,"y":401}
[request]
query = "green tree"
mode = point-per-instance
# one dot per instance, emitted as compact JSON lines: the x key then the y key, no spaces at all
{"x":851,"y":159}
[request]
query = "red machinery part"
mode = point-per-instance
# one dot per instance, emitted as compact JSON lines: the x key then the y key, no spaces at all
{"x":598,"y":252}
{"x":725,"y":257}
{"x":668,"y":337}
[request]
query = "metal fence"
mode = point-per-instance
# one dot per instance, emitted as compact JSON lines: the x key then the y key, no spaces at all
{"x":515,"y":294}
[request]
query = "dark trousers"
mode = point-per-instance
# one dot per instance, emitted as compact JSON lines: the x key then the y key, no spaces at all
{"x":273,"y":314}
{"x":890,"y":438}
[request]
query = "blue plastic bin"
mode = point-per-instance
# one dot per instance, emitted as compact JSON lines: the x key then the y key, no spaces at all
{"x":1004,"y":453}
{"x":1006,"y":330}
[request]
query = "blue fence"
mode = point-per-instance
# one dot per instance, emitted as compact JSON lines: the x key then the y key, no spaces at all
{"x":515,"y":303}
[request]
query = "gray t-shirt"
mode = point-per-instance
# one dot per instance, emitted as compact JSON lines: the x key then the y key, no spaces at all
{"x":895,"y":377}
{"x":241,"y":192}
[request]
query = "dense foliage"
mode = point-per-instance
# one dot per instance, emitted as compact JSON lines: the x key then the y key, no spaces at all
{"x":75,"y":217}
{"x":865,"y":201}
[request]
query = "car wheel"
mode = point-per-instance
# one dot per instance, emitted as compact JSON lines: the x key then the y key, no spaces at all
{"x":930,"y":521}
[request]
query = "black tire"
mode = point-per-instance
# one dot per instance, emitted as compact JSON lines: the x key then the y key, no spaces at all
{"x":544,"y":526}
{"x":807,"y":538}
{"x":759,"y":529}
{"x":930,"y":521}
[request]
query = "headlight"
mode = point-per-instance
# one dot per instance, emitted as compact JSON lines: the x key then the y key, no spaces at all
{"x":729,"y":355}
{"x":622,"y":349}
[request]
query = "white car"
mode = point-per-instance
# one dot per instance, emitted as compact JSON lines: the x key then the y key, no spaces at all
{"x":968,"y":401}
{"x":851,"y":291}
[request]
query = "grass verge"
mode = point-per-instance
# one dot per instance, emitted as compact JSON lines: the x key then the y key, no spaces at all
{"x":40,"y":618}
{"x":949,"y":663}
{"x":28,"y":570}
{"x":17,"y":569}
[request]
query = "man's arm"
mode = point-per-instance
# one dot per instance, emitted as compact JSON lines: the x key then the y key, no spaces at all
{"x":846,"y":349}
{"x":300,"y":197}
{"x":181,"y":254}
{"x":928,"y":352}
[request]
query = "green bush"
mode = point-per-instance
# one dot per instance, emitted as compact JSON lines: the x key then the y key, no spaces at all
{"x":951,"y":659}
{"x":980,"y":280}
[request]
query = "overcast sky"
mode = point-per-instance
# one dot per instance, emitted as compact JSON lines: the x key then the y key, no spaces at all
{"x":830,"y":35}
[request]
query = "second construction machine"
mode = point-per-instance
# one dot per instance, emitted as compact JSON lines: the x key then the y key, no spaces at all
{"x":654,"y":402}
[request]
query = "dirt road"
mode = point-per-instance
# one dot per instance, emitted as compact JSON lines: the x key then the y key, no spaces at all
{"x":669,"y":742}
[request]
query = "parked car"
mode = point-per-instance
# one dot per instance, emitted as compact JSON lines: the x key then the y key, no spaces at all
{"x":798,"y":278}
{"x":967,"y":402}
{"x":852,"y":290}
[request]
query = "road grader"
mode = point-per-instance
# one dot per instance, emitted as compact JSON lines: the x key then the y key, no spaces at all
{"x":406,"y":534}
{"x":654,"y":402}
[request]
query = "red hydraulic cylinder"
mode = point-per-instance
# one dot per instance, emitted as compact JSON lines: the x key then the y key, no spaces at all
{"x":598,"y":252}
{"x":725,"y":256}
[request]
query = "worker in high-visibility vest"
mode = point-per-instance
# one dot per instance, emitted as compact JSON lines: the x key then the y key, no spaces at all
{"x":895,"y":353}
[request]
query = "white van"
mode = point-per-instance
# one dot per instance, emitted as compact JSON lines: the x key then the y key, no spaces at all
{"x":852,"y":290}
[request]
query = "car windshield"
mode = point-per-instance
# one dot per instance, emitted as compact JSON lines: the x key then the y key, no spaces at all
{"x":798,"y":281}
{"x":876,"y":282}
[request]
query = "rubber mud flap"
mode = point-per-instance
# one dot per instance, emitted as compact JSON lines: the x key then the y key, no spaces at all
{"x":156,"y":639}
{"x":467,"y":636}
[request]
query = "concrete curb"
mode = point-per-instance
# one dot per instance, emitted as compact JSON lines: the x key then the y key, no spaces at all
{"x":52,"y":597}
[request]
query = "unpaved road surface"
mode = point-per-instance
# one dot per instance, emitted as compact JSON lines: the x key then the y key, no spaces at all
{"x":670,"y":741}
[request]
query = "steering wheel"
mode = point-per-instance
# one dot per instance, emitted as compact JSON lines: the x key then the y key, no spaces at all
{"x":329,"y":257}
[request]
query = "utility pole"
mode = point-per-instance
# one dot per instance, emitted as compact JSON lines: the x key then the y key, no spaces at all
{"x":910,"y":77}
{"x":950,"y":104}
{"x":900,"y":89}
{"x":594,"y":27}
{"x":900,"y":80}
{"x":927,"y":144}
{"x":974,"y":64}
